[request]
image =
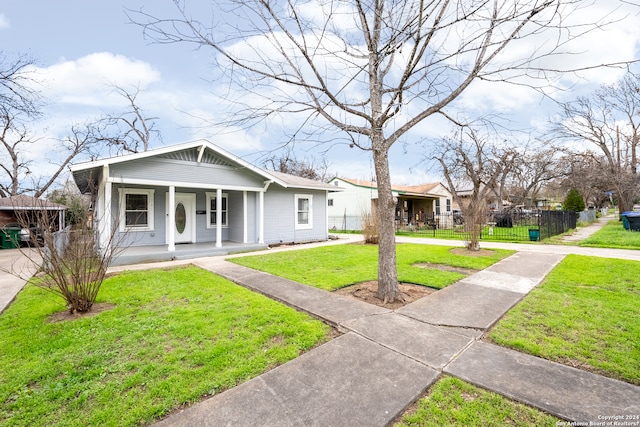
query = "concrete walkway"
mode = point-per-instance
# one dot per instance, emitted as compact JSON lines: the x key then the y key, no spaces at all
{"x":387,"y":359}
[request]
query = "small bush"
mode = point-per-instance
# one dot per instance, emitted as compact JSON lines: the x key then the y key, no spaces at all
{"x":72,"y":263}
{"x":371,"y":226}
{"x":573,"y":201}
{"x":370,"y":229}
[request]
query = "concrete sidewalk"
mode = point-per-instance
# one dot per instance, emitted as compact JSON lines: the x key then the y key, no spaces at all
{"x":387,"y":359}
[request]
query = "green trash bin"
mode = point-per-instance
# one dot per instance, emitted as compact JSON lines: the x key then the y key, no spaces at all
{"x":534,"y":234}
{"x":10,"y":238}
{"x":625,"y":221}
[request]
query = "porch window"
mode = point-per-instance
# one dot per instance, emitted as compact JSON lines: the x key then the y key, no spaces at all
{"x":303,"y":211}
{"x":136,"y":209}
{"x":212,"y":209}
{"x":448,"y":205}
{"x":437,"y":206}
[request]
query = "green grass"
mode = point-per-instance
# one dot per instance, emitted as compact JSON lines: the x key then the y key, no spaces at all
{"x":333,"y":267}
{"x":515,"y":234}
{"x":585,"y":314}
{"x":613,"y":235}
{"x":452,"y":402}
{"x":173,"y":337}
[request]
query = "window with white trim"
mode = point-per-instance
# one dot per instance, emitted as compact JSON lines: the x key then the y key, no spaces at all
{"x":212,"y":209}
{"x":330,"y":202}
{"x":437,"y":206}
{"x":448,"y":205}
{"x":304,"y":211}
{"x":136,"y":209}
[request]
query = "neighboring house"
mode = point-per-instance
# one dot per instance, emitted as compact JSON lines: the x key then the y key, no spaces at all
{"x":196,"y":192}
{"x":27,"y":209}
{"x":417,"y":204}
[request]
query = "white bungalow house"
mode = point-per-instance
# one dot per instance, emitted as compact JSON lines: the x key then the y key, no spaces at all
{"x":417,"y":205}
{"x":197,"y":194}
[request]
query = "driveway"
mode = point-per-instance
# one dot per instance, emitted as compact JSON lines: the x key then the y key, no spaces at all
{"x":15,"y":269}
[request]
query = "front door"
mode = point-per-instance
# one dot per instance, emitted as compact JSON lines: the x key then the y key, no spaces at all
{"x":184,"y":209}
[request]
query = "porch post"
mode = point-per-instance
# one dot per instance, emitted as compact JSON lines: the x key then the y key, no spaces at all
{"x":244,"y":216}
{"x":105,"y":224}
{"x":326,"y":214}
{"x":171,"y":219}
{"x":261,"y":218}
{"x":219,"y":218}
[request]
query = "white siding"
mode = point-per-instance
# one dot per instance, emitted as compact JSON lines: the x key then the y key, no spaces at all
{"x":350,"y":205}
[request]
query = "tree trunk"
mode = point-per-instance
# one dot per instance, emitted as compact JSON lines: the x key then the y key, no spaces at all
{"x":388,"y":289}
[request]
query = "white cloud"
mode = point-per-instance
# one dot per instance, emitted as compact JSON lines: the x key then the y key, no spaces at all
{"x":345,"y":17}
{"x":497,"y":97}
{"x":89,"y":80}
{"x":4,"y":22}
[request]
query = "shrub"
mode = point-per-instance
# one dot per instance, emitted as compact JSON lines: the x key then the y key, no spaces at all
{"x":371,"y":226}
{"x":573,"y":201}
{"x":71,"y":262}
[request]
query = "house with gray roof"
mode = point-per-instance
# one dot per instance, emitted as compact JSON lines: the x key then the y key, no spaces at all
{"x":198,"y":194}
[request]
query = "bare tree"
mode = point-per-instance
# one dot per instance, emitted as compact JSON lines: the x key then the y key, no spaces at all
{"x":17,"y":82}
{"x":473,"y":165}
{"x":507,"y":161}
{"x":587,"y":172}
{"x":372,"y":69}
{"x":79,"y":140}
{"x":19,"y":104}
{"x":15,"y":168}
{"x":305,"y":168}
{"x":129,"y":131}
{"x":536,"y":165}
{"x":609,"y":120}
{"x":16,"y":142}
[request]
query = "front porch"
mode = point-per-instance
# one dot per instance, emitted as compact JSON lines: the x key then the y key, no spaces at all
{"x":158,"y":253}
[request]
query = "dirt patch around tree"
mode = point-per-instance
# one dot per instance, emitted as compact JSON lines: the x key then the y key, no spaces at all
{"x":96,"y":309}
{"x":366,"y":291}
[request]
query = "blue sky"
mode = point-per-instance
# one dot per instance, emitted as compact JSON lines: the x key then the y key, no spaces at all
{"x":83,"y":47}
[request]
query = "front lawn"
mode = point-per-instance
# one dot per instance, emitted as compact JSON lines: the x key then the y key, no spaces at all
{"x":585,"y":314}
{"x":333,"y":267}
{"x":452,"y":402}
{"x":171,"y":338}
{"x":613,"y":235}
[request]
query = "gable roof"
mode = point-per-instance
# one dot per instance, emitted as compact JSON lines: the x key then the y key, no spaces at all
{"x":171,"y":151}
{"x":199,"y":151}
{"x":417,"y":190}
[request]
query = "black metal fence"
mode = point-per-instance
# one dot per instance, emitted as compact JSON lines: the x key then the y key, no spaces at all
{"x":509,"y":225}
